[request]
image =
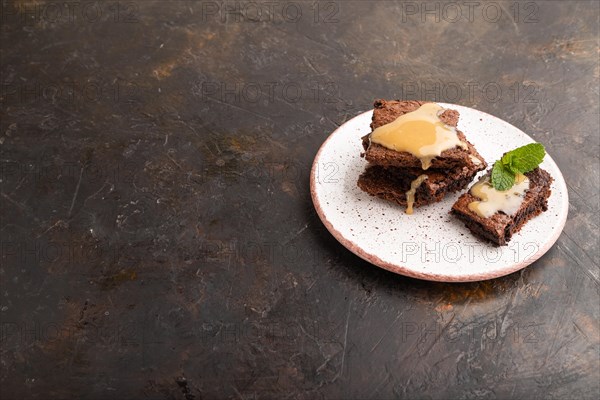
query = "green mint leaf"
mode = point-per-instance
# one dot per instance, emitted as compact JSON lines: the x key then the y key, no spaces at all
{"x":525,"y":158}
{"x":502,"y":177}
{"x":518,"y":161}
{"x":507,"y":160}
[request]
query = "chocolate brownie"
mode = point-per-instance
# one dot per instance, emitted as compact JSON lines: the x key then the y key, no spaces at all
{"x":499,"y":228}
{"x":387,"y":111}
{"x":392,"y":183}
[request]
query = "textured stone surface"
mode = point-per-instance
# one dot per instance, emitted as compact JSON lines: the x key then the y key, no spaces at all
{"x":158,"y":238}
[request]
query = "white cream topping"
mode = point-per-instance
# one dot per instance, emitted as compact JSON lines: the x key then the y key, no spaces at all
{"x":492,"y":200}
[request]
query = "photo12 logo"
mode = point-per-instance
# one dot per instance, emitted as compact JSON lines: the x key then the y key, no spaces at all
{"x":526,"y":92}
{"x":318,"y":12}
{"x":92,"y":90}
{"x":469,"y":11}
{"x":253,"y":252}
{"x":487,"y":332}
{"x":34,"y":12}
{"x":268,"y":92}
{"x":262,"y":331}
{"x":31,"y":253}
{"x":453,"y":252}
{"x":327,"y":172}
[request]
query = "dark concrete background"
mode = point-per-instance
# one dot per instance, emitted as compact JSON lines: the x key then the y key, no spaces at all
{"x":158,"y":237}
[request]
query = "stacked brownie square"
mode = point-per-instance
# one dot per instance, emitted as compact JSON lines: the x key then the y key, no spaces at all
{"x":392,"y":174}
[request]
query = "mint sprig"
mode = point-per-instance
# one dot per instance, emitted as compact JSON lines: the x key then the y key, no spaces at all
{"x":517,"y":161}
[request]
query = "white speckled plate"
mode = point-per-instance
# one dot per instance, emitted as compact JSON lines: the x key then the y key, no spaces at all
{"x":430,"y":244}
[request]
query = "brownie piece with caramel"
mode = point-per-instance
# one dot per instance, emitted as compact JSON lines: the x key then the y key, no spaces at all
{"x":393,"y":183}
{"x":500,"y":227}
{"x":386,"y":111}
